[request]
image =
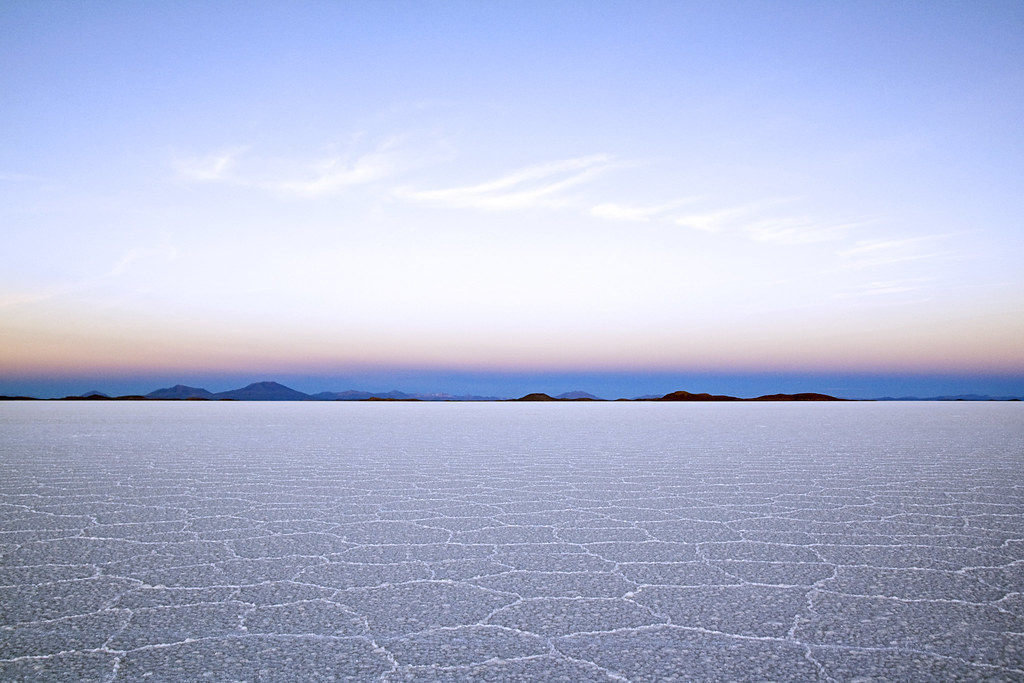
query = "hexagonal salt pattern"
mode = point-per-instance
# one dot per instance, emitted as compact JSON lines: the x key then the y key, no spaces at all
{"x":639,"y":542}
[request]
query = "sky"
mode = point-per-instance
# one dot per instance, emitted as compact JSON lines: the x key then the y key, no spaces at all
{"x":483,"y":197}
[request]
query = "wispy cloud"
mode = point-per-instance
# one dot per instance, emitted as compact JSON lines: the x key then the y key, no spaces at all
{"x":310,"y":178}
{"x":756,"y":220}
{"x":335,"y":174}
{"x":862,"y":247}
{"x":534,"y":186}
{"x":215,"y":167}
{"x":136,"y":254}
{"x":124,"y":265}
{"x":887,"y":288}
{"x":635,"y":214}
{"x":712,"y":221}
{"x":794,"y":230}
{"x":12,"y":299}
{"x":882,"y":252}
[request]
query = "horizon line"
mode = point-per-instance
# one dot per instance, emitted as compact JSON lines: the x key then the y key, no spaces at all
{"x":194,"y":393}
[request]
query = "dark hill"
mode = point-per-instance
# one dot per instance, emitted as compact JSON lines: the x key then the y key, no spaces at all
{"x":353,"y":395}
{"x":100,"y":396}
{"x":454,"y":397}
{"x":535,"y":397}
{"x":797,"y":397}
{"x":179,"y":391}
{"x":578,"y":396}
{"x":350,"y":395}
{"x":263,"y":391}
{"x":687,"y":396}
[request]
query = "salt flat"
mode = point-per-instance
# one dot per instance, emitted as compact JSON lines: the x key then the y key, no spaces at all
{"x":641,"y":542}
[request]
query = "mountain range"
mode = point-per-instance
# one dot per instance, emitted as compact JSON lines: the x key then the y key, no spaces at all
{"x":686,"y":396}
{"x":273,"y":391}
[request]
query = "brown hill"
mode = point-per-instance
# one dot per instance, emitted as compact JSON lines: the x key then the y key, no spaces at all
{"x":797,"y":397}
{"x":687,"y":396}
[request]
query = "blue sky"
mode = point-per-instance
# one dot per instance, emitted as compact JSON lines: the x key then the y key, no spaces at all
{"x":375,"y":192}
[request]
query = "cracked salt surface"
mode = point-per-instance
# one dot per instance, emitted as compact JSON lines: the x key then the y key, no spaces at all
{"x":615,"y":542}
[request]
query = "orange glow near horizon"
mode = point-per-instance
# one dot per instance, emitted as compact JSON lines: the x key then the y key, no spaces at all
{"x":121,"y":344}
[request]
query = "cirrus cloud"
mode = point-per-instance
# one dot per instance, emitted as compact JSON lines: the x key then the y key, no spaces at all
{"x":534,"y":186}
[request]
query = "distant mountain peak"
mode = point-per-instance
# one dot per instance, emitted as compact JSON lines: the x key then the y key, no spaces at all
{"x":263,"y":391}
{"x":577,"y":395}
{"x":179,"y":391}
{"x":268,"y":385}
